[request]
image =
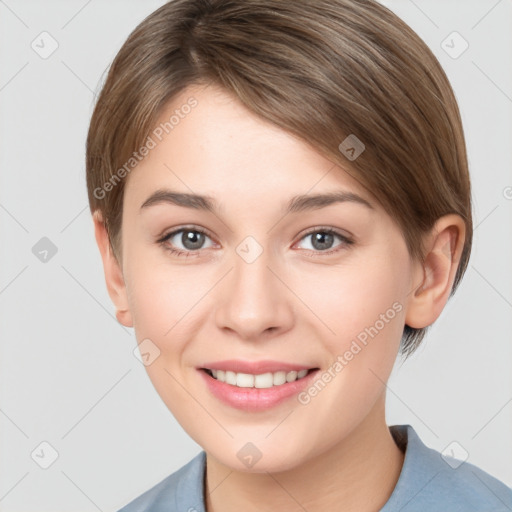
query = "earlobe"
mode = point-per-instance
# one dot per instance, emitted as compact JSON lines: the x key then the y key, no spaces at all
{"x":444,"y":249}
{"x":113,"y":273}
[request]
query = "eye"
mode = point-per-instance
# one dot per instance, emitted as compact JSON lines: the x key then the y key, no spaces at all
{"x":322,"y":240}
{"x":191,"y":239}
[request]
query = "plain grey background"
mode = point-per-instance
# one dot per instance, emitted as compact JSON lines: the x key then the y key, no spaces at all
{"x":69,"y":378}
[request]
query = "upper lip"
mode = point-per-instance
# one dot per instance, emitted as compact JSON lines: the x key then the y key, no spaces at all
{"x":254,"y":367}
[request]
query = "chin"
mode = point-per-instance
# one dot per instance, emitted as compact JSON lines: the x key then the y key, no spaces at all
{"x":251,"y":459}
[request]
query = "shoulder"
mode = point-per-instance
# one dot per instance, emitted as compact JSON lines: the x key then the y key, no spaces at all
{"x":430,"y":480}
{"x":182,"y":490}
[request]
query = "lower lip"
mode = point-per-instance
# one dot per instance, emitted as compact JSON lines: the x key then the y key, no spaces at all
{"x":255,"y":399}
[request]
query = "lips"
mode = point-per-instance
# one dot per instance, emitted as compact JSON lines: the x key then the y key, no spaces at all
{"x":255,"y":386}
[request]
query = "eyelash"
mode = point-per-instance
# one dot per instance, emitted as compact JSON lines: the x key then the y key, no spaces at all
{"x":346,"y":242}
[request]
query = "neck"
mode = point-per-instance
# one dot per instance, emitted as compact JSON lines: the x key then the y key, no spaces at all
{"x":358,"y":474}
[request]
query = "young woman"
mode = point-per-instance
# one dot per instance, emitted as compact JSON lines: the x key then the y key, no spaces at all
{"x":281,"y":199}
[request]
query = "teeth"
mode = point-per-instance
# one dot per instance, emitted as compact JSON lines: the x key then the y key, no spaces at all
{"x":263,"y":380}
{"x":291,"y":376}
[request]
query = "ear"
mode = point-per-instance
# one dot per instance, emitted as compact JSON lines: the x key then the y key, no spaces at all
{"x":434,"y":278}
{"x":113,"y":272}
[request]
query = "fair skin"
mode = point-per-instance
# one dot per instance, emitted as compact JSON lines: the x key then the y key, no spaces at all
{"x":293,"y":303}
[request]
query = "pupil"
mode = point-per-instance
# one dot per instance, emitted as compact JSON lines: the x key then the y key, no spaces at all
{"x":321,"y":240}
{"x":189,"y":242}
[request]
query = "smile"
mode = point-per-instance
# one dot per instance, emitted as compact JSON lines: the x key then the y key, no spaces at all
{"x":255,"y":386}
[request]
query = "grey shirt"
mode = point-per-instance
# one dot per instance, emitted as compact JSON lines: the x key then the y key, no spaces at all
{"x":428,"y":482}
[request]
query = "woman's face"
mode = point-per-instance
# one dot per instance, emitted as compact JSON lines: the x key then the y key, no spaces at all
{"x":259,"y":288}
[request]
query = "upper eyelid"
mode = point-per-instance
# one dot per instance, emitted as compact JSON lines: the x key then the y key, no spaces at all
{"x":184,"y":228}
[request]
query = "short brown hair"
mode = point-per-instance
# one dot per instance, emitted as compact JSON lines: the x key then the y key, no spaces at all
{"x":320,"y":69}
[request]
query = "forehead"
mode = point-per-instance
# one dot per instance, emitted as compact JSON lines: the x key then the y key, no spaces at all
{"x":206,"y":142}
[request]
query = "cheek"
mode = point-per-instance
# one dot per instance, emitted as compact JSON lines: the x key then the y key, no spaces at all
{"x":153,"y":300}
{"x":165,"y":301}
{"x":365,"y":311}
{"x":360,"y":301}
{"x":162,"y":305}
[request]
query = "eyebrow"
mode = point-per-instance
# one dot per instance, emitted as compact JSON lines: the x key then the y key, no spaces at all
{"x":296,"y":204}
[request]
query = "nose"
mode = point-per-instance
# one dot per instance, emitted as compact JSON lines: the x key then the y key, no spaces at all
{"x":255,"y":301}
